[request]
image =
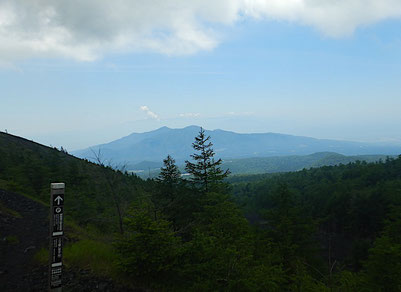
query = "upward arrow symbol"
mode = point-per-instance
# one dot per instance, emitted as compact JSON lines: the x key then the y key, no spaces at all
{"x":58,"y":200}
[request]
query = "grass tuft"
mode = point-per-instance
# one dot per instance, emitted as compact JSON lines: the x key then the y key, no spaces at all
{"x":96,"y":256}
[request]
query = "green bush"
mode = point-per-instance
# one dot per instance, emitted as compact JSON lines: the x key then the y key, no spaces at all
{"x":148,"y":251}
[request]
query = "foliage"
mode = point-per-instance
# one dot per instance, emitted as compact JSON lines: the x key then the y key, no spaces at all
{"x":222,"y":253}
{"x":291,"y":230}
{"x":383,"y":267}
{"x":350,"y":216}
{"x":148,"y":251}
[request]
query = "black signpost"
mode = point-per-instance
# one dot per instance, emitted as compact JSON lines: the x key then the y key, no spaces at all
{"x":56,"y":236}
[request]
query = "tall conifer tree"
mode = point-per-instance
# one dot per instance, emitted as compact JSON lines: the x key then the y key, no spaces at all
{"x":169,"y":173}
{"x":168,"y":181}
{"x":205,"y":171}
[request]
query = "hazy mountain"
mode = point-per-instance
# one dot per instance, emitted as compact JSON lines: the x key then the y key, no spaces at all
{"x":155,"y":145}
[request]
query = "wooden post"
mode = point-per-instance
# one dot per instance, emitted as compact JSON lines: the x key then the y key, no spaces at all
{"x":56,"y":236}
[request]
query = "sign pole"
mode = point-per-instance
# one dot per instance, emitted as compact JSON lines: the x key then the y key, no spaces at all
{"x":56,"y":236}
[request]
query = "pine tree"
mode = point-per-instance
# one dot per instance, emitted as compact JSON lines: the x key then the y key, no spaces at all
{"x":165,"y":198}
{"x":168,"y":181}
{"x":205,"y":172}
{"x":169,"y":173}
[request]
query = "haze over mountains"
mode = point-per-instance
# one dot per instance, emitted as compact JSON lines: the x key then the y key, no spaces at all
{"x":155,"y":145}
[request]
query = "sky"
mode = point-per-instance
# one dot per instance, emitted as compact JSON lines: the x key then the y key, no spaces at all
{"x":80,"y":73}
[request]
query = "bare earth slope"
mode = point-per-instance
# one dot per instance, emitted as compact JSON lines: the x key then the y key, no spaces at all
{"x":22,"y":234}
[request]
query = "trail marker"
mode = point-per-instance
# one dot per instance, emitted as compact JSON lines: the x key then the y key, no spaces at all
{"x":58,"y":200}
{"x":56,"y":236}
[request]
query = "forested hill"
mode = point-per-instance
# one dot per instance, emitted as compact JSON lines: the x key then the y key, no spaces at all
{"x":28,"y":168}
{"x":293,"y":163}
{"x":357,"y":212}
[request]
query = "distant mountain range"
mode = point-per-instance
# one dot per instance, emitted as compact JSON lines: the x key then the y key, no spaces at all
{"x":150,"y":148}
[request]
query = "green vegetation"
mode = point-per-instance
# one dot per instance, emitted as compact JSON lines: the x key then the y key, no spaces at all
{"x":94,"y":255}
{"x":333,"y":228}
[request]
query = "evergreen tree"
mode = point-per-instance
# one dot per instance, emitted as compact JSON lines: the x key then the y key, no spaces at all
{"x":205,"y":172}
{"x":169,"y":173}
{"x":165,"y":198}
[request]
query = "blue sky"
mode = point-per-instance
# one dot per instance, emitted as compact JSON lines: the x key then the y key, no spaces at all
{"x":243,"y":72}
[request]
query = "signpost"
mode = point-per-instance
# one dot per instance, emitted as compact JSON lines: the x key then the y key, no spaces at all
{"x":56,"y":235}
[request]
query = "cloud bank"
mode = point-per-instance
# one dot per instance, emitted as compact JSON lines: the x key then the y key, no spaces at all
{"x":149,"y":112}
{"x":85,"y":30}
{"x":189,"y":115}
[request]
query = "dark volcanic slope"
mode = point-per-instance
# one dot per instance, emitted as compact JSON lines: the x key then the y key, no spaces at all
{"x":22,"y":234}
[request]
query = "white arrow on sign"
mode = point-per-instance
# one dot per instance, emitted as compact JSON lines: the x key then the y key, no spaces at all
{"x":58,"y":200}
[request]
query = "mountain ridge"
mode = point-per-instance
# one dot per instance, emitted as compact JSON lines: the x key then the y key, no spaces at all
{"x":156,"y":145}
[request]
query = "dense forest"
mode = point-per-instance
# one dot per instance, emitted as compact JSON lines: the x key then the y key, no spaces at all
{"x":263,"y":165}
{"x":334,"y":228}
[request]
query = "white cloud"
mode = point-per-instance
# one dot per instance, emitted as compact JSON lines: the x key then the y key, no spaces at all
{"x":149,"y":112}
{"x":190,"y":115}
{"x":240,"y":113}
{"x":87,"y":29}
{"x":334,"y":18}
